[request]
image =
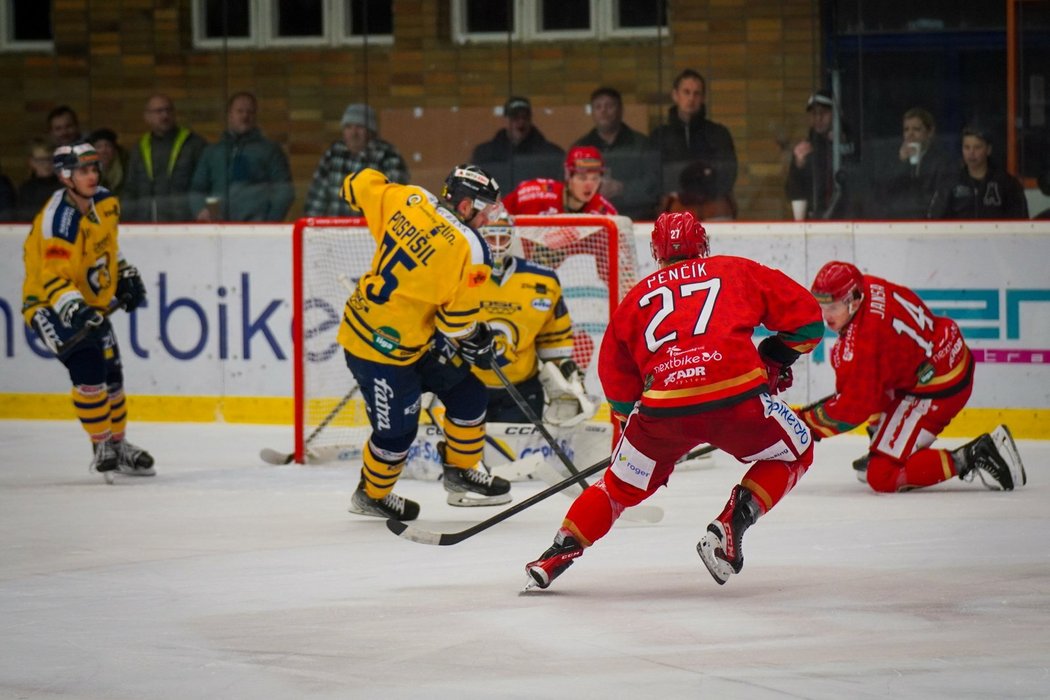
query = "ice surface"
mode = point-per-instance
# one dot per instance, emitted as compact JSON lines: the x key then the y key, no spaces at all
{"x":224,"y":577}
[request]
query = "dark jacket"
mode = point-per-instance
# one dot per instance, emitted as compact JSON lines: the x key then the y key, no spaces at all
{"x":33,"y":193}
{"x":157,"y":185}
{"x":511,"y":164}
{"x":826,"y":197}
{"x":909,"y":190}
{"x":999,"y":195}
{"x":248,"y":173}
{"x":632,"y":160}
{"x":679,"y":143}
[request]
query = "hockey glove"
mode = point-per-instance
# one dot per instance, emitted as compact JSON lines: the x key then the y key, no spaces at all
{"x":477,"y":347}
{"x":77,"y":314}
{"x":778,"y":359}
{"x":131,"y":292}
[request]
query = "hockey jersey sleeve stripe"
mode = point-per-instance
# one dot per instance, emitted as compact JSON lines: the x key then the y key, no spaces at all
{"x":804,"y":339}
{"x":824,"y":425}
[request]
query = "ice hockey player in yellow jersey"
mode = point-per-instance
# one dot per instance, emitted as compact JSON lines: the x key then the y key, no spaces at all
{"x":423,"y":287}
{"x":74,"y":271}
{"x":522,"y":304}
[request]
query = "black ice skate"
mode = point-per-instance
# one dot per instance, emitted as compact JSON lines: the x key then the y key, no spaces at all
{"x":720,"y":547}
{"x":472,"y":487}
{"x":132,"y":459}
{"x":994,"y":459}
{"x":105,"y":460}
{"x":390,"y":506}
{"x":860,"y":468}
{"x":553,"y":562}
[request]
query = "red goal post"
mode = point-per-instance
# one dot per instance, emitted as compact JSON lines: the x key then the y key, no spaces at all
{"x":593,"y":255}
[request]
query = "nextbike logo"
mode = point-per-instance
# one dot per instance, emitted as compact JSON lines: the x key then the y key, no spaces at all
{"x":229,"y":327}
{"x":783,"y":413}
{"x":676,"y":361}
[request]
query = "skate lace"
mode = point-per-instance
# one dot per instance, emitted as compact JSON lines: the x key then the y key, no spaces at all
{"x":394,"y":502}
{"x":478,"y":476}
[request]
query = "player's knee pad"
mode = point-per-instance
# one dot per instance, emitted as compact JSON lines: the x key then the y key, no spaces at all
{"x":884,"y":473}
{"x":465,"y":402}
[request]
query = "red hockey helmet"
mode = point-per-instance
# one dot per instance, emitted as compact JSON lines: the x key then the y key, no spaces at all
{"x":837,"y":281}
{"x":584,"y":159}
{"x":678,"y":235}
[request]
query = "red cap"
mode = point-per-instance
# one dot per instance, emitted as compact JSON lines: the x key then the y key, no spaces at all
{"x":584,"y":159}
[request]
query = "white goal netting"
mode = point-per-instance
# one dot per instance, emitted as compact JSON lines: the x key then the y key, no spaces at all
{"x":596,"y":263}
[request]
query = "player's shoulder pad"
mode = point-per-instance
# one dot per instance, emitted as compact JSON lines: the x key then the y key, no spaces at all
{"x":61,"y":219}
{"x":479,"y":250}
{"x":531,"y":267}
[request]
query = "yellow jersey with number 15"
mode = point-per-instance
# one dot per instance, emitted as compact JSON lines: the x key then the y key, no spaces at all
{"x":427,"y":272}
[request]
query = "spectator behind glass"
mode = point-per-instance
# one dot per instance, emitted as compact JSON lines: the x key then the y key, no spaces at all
{"x":112,"y":157}
{"x":519,"y":151}
{"x":981,"y":188}
{"x":41,"y":184}
{"x":161,"y":167}
{"x":63,"y":127}
{"x":8,"y":198}
{"x":813,"y":187}
{"x":922,"y":167}
{"x":689,"y":136}
{"x":245,"y":176}
{"x":359,"y":148}
{"x":631,"y":166}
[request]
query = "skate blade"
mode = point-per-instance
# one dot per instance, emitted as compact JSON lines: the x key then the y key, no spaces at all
{"x":531,"y":584}
{"x":467,"y":499}
{"x":1004,"y":441}
{"x":720,"y":571}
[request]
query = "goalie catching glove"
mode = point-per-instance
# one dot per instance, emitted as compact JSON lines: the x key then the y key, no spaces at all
{"x":567,"y":402}
{"x":778,"y":359}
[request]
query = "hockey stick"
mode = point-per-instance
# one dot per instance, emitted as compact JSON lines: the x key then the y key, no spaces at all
{"x":649,"y":514}
{"x":416,"y":534}
{"x":272,"y":456}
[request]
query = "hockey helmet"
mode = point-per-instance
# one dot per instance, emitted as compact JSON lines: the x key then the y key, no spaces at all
{"x":68,"y":158}
{"x":677,"y":236}
{"x":837,"y":281}
{"x":584,"y":159}
{"x":469,"y":181}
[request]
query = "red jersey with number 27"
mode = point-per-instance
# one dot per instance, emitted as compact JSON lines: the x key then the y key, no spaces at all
{"x":681,"y":340}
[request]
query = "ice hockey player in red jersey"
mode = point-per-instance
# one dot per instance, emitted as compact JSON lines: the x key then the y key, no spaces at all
{"x":577,"y":195}
{"x":679,"y":366}
{"x":907,"y":373}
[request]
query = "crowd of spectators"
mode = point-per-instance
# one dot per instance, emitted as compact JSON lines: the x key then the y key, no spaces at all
{"x":687,"y":163}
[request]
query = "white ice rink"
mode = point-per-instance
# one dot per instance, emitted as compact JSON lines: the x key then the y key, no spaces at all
{"x":226,"y":578}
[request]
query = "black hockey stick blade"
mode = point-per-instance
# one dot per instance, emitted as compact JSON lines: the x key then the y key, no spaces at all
{"x":422,"y":536}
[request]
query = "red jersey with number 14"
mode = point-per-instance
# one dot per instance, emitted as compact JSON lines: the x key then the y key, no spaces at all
{"x":681,"y":340}
{"x":893,"y":344}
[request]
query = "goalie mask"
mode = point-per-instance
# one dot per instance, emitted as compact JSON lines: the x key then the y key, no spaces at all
{"x":499,"y":235}
{"x":678,"y":236}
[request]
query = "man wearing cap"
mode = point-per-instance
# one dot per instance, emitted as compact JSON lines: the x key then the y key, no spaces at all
{"x":161,"y":167}
{"x":359,"y":148}
{"x":811,"y":186}
{"x":631,"y":179}
{"x":519,"y":151}
{"x":981,"y":189}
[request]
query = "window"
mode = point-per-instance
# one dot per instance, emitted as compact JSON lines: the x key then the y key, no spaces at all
{"x":546,"y":20}
{"x":266,"y":23}
{"x":25,"y":25}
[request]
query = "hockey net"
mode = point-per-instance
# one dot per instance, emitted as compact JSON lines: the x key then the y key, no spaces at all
{"x":593,"y":255}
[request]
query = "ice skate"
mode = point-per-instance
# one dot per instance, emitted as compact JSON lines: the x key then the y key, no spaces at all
{"x":553,"y":562}
{"x":132,"y":459}
{"x":994,"y":459}
{"x":105,"y":460}
{"x":472,"y":487}
{"x":860,"y":468}
{"x":390,"y":506}
{"x":720,"y":547}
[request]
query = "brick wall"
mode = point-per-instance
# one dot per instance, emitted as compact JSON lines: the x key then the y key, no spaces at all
{"x":761,"y":59}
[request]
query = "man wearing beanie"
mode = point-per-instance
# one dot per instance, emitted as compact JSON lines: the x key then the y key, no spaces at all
{"x":359,"y":148}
